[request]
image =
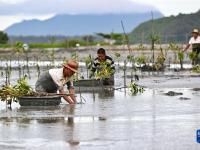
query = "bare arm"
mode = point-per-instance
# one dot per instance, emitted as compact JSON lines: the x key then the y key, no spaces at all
{"x":188,"y":45}
{"x":67,"y":98}
{"x":72,"y":94}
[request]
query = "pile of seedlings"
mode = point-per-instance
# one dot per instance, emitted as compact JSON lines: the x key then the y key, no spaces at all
{"x":9,"y":93}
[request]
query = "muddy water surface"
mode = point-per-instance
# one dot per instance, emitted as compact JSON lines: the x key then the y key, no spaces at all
{"x":109,"y":119}
{"x":116,"y":120}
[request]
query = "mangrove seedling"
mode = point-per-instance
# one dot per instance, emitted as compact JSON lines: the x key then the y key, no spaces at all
{"x":177,"y":54}
{"x":141,"y":47}
{"x":7,"y":94}
{"x":104,"y":71}
{"x":23,"y":88}
{"x":142,"y":59}
{"x":124,"y":70}
{"x":135,"y":89}
{"x":174,"y":48}
{"x":88,"y":62}
{"x":27,"y":50}
{"x":117,"y":57}
{"x":74,"y":56}
{"x":196,"y":69}
{"x":18,"y":49}
{"x":154,"y":39}
{"x":160,"y":60}
{"x":131,"y":59}
{"x":181,"y":57}
{"x":193,"y":56}
{"x":52,"y":57}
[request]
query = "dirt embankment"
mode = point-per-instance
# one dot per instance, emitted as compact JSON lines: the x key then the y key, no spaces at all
{"x":62,"y":53}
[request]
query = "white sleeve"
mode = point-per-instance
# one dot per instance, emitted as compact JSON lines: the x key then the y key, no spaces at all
{"x":191,"y":41}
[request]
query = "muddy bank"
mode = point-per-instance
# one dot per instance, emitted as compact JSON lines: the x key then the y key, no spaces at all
{"x":170,"y":82}
{"x":63,"y":53}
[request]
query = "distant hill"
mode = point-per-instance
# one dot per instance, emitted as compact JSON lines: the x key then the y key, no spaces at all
{"x":170,"y":29}
{"x":71,"y":25}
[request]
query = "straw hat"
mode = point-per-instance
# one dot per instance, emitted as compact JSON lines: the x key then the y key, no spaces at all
{"x":195,"y":31}
{"x":72,"y":65}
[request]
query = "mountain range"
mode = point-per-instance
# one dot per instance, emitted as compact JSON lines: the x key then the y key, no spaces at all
{"x":80,"y":24}
{"x":169,"y":29}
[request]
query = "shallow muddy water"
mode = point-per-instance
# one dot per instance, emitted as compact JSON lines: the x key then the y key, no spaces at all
{"x":109,"y":119}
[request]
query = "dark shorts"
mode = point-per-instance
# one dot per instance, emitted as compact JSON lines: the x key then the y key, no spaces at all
{"x":45,"y":83}
{"x":196,"y":49}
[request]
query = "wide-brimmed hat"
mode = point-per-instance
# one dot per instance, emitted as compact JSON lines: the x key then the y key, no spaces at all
{"x":195,"y":31}
{"x":72,"y":65}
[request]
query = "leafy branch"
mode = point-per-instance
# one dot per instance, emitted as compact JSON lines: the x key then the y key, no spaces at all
{"x":135,"y":89}
{"x":104,"y":71}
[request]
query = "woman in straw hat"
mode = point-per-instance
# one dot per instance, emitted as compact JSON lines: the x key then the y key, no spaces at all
{"x":195,"y":42}
{"x":55,"y":79}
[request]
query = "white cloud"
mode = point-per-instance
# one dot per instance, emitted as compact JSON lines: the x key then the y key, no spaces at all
{"x":12,"y":1}
{"x":73,"y":6}
{"x":167,"y":7}
{"x":174,"y":7}
{"x":12,"y":11}
{"x":9,"y":20}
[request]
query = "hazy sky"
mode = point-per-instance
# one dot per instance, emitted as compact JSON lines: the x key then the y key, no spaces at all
{"x":173,"y":7}
{"x":12,"y":11}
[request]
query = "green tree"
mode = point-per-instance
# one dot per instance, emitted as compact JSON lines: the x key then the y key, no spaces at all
{"x":103,"y":35}
{"x":118,"y":37}
{"x":3,"y":37}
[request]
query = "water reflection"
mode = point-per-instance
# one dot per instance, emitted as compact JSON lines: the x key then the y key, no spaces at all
{"x":23,"y":120}
{"x":38,"y":108}
{"x":50,"y":120}
{"x":118,"y":122}
{"x":105,"y":93}
{"x":6,"y":121}
{"x":72,"y":141}
{"x":70,"y":119}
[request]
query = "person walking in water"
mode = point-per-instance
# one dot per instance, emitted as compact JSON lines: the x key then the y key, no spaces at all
{"x":195,"y":42}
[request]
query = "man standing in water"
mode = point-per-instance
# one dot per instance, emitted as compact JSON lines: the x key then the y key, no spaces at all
{"x":195,"y":42}
{"x":97,"y":66}
{"x":55,"y":79}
